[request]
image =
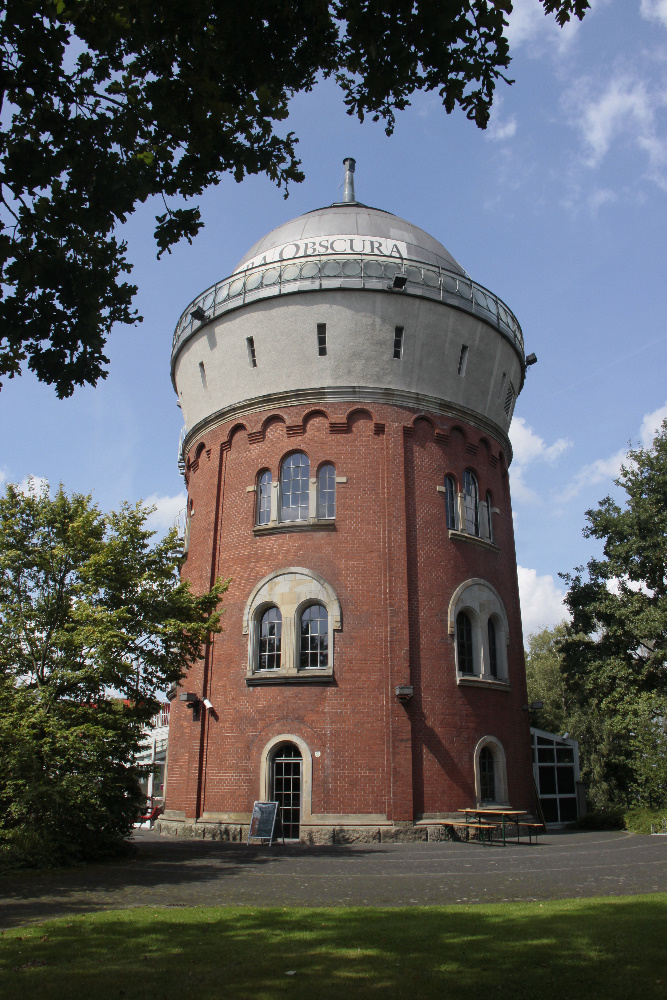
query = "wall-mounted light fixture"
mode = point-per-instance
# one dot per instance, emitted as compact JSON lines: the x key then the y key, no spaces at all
{"x":198,"y":314}
{"x":531,"y":359}
{"x":192,"y":701}
{"x":208,"y":704}
{"x":404,"y":693}
{"x":399,"y":283}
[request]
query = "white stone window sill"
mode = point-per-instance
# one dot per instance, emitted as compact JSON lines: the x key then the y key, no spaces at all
{"x":463,"y":536}
{"x":282,"y":527}
{"x":310,"y":676}
{"x":474,"y":680}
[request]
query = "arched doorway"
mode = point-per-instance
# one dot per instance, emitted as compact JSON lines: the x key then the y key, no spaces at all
{"x":286,"y":787}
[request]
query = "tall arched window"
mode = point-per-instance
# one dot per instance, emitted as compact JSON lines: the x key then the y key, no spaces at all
{"x":464,"y":645}
{"x":471,"y":502}
{"x":270,"y":631}
{"x":315,"y":637}
{"x":264,"y":498}
{"x":487,"y":775}
{"x":326,"y":492}
{"x":295,"y":488}
{"x":450,"y":503}
{"x":493,"y":648}
{"x":489,"y":507}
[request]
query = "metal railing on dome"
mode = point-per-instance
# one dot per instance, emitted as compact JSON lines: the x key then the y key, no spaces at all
{"x":347,"y":272}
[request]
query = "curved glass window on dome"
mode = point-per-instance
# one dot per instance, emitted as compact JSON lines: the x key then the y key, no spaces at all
{"x":373,"y":269}
{"x":271,"y":276}
{"x":236,"y":287}
{"x":449,"y":284}
{"x":414,"y":274}
{"x":253,"y":281}
{"x":331,"y":268}
{"x":221,"y":293}
{"x":351,"y":268}
{"x":391,"y":270}
{"x":464,"y":289}
{"x":431,"y":278}
{"x":295,"y":487}
{"x":310,"y":270}
{"x":291,"y":272}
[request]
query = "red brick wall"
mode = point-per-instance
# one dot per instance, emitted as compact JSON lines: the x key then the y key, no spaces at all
{"x":394,"y":569}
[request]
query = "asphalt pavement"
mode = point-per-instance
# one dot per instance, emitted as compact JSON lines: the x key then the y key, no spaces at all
{"x":172,"y":872}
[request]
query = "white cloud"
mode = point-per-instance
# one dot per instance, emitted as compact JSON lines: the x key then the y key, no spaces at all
{"x":527,"y":445}
{"x":167,"y":510}
{"x":623,"y":109}
{"x":651,"y":424}
{"x":497,"y":129}
{"x":541,"y":601}
{"x":609,"y":468}
{"x":654,"y":10}
{"x":528,"y":24}
{"x":33,"y":485}
{"x":600,"y":197}
{"x":597,"y":472}
{"x":3,"y":476}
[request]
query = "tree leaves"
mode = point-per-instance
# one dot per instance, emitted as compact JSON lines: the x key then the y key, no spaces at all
{"x":95,"y":623}
{"x":107,"y":105}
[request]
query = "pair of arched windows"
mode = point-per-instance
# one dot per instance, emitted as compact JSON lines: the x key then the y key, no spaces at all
{"x":473,"y":655}
{"x":313,"y":639}
{"x":294,"y":501}
{"x":470,"y":515}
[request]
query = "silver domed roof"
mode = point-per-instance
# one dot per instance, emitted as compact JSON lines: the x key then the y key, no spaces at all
{"x":355,"y":219}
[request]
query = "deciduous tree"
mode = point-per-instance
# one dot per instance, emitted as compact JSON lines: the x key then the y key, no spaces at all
{"x":95,"y":623}
{"x":105,"y":104}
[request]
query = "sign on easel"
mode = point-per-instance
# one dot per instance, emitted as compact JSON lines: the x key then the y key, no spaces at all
{"x":263,"y":821}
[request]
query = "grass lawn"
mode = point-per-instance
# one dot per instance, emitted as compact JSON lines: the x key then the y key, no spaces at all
{"x":608,"y":948}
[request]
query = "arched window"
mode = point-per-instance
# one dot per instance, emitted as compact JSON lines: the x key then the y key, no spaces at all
{"x":270,"y":631}
{"x":464,"y":643}
{"x":264,"y":498}
{"x":471,"y":502}
{"x":326,"y":492}
{"x":487,"y":775}
{"x":489,"y":507}
{"x":450,"y":504}
{"x":295,"y":488}
{"x":314,"y":637}
{"x":493,"y":648}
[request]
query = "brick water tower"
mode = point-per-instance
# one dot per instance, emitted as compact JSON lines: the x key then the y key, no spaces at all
{"x":347,"y":394}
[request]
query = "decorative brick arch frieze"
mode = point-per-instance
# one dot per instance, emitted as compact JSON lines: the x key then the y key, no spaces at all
{"x":291,"y":589}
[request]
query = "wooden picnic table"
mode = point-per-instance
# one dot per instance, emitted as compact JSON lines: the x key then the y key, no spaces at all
{"x":482,"y":812}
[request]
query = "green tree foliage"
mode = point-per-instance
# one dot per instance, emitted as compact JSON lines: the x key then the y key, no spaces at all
{"x":94,"y":624}
{"x":615,"y":648}
{"x":105,"y":104}
{"x":545,"y":679}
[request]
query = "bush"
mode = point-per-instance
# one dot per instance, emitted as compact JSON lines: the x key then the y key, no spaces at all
{"x":607,"y":819}
{"x":639,"y":819}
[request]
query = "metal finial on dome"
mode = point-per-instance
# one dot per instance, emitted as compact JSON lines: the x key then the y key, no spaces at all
{"x":348,"y":185}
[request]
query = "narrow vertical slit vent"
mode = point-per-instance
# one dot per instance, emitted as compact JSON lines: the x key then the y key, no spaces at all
{"x":398,"y":343}
{"x":463,"y":359}
{"x":252,"y":360}
{"x":202,"y":374}
{"x":509,"y":399}
{"x":321,"y":339}
{"x":502,"y":385}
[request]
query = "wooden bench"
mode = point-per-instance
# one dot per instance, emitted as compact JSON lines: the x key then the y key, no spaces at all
{"x":532,"y":828}
{"x":481,"y":827}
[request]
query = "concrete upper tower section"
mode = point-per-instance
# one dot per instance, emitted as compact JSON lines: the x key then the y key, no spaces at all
{"x":348,"y":302}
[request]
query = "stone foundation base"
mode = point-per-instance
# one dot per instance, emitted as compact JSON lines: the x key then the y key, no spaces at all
{"x":315,"y":835}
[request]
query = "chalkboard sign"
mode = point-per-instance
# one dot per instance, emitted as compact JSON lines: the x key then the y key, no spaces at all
{"x":263,"y":821}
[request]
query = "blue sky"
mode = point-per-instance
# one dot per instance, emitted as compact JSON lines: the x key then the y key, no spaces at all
{"x":559,"y":208}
